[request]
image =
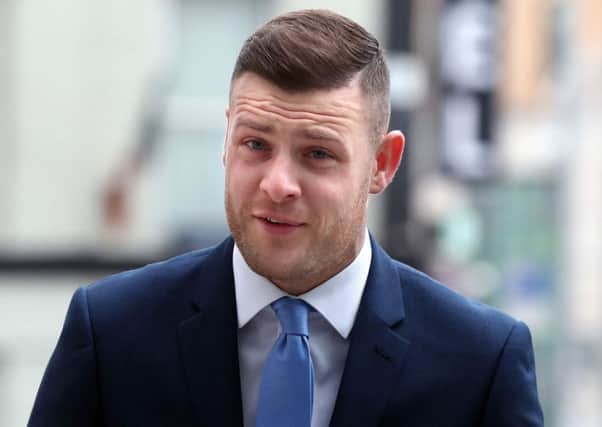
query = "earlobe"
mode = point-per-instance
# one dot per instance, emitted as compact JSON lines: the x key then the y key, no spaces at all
{"x":388,"y":158}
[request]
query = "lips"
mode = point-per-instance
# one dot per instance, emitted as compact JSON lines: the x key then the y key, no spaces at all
{"x":276,"y":219}
{"x":278,"y":225}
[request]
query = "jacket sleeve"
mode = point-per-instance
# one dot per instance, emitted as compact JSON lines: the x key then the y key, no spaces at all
{"x":513,"y":397}
{"x":68,"y":394}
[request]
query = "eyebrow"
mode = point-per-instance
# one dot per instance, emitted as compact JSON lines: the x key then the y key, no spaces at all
{"x":318,"y":134}
{"x":262,"y":127}
{"x":312,"y":132}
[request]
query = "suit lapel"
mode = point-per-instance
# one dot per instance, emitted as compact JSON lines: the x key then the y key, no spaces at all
{"x":376,"y":351}
{"x":208,"y":342}
{"x":209,"y":347}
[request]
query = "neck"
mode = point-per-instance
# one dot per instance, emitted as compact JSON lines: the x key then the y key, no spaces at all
{"x":312,"y":279}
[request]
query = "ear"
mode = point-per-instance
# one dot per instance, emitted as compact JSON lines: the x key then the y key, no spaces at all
{"x":227,"y":112}
{"x":387,"y":161}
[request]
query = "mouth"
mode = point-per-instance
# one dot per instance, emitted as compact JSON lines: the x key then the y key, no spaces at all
{"x":279,"y":223}
{"x":275,"y":221}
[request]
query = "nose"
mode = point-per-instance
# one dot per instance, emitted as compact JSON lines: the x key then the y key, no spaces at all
{"x":280,"y":182}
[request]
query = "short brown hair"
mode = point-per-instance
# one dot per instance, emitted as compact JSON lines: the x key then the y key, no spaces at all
{"x":319,"y":49}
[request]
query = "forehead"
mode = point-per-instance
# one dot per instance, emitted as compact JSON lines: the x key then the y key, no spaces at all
{"x":252,"y":95}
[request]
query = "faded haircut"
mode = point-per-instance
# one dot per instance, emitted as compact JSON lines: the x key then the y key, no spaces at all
{"x":319,"y":49}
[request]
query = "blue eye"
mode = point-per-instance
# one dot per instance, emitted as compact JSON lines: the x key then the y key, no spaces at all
{"x":319,"y":154}
{"x":253,"y":144}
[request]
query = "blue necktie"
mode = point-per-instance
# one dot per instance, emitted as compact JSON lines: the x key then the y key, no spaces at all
{"x":287,"y":385}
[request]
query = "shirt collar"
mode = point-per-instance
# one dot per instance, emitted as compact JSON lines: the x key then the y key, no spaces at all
{"x":337,"y":299}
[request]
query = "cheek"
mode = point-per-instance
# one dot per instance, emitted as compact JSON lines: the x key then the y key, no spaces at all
{"x":349,"y":196}
{"x":332,"y":198}
{"x":240,"y":183}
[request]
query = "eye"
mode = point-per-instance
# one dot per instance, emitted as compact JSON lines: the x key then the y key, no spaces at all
{"x":256,"y":145}
{"x":319,"y":154}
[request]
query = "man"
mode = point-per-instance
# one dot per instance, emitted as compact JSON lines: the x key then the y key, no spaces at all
{"x":221,"y":336}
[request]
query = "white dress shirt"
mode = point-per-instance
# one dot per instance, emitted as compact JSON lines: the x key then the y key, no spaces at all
{"x":336,"y":302}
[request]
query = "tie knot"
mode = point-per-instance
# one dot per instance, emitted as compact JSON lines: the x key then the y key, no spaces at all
{"x":292,"y":314}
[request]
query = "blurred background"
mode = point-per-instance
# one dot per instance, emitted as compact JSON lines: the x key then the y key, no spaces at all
{"x":112,"y":126}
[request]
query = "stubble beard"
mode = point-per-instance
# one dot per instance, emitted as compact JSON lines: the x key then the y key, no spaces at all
{"x":337,"y":247}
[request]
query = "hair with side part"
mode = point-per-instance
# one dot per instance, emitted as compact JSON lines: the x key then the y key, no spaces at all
{"x":319,"y":49}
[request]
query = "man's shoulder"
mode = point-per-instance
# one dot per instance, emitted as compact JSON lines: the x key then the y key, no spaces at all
{"x":165,"y":270}
{"x":157,"y":281}
{"x":444,"y":315}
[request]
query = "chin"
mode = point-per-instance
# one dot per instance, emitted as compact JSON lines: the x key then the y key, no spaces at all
{"x":275,"y":270}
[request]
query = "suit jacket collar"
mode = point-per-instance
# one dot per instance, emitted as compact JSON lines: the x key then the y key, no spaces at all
{"x":377,"y":349}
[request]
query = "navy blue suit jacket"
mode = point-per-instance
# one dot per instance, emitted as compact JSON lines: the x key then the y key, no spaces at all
{"x":157,"y":346}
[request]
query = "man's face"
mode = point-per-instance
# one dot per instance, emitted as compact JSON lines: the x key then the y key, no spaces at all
{"x":298,"y":172}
